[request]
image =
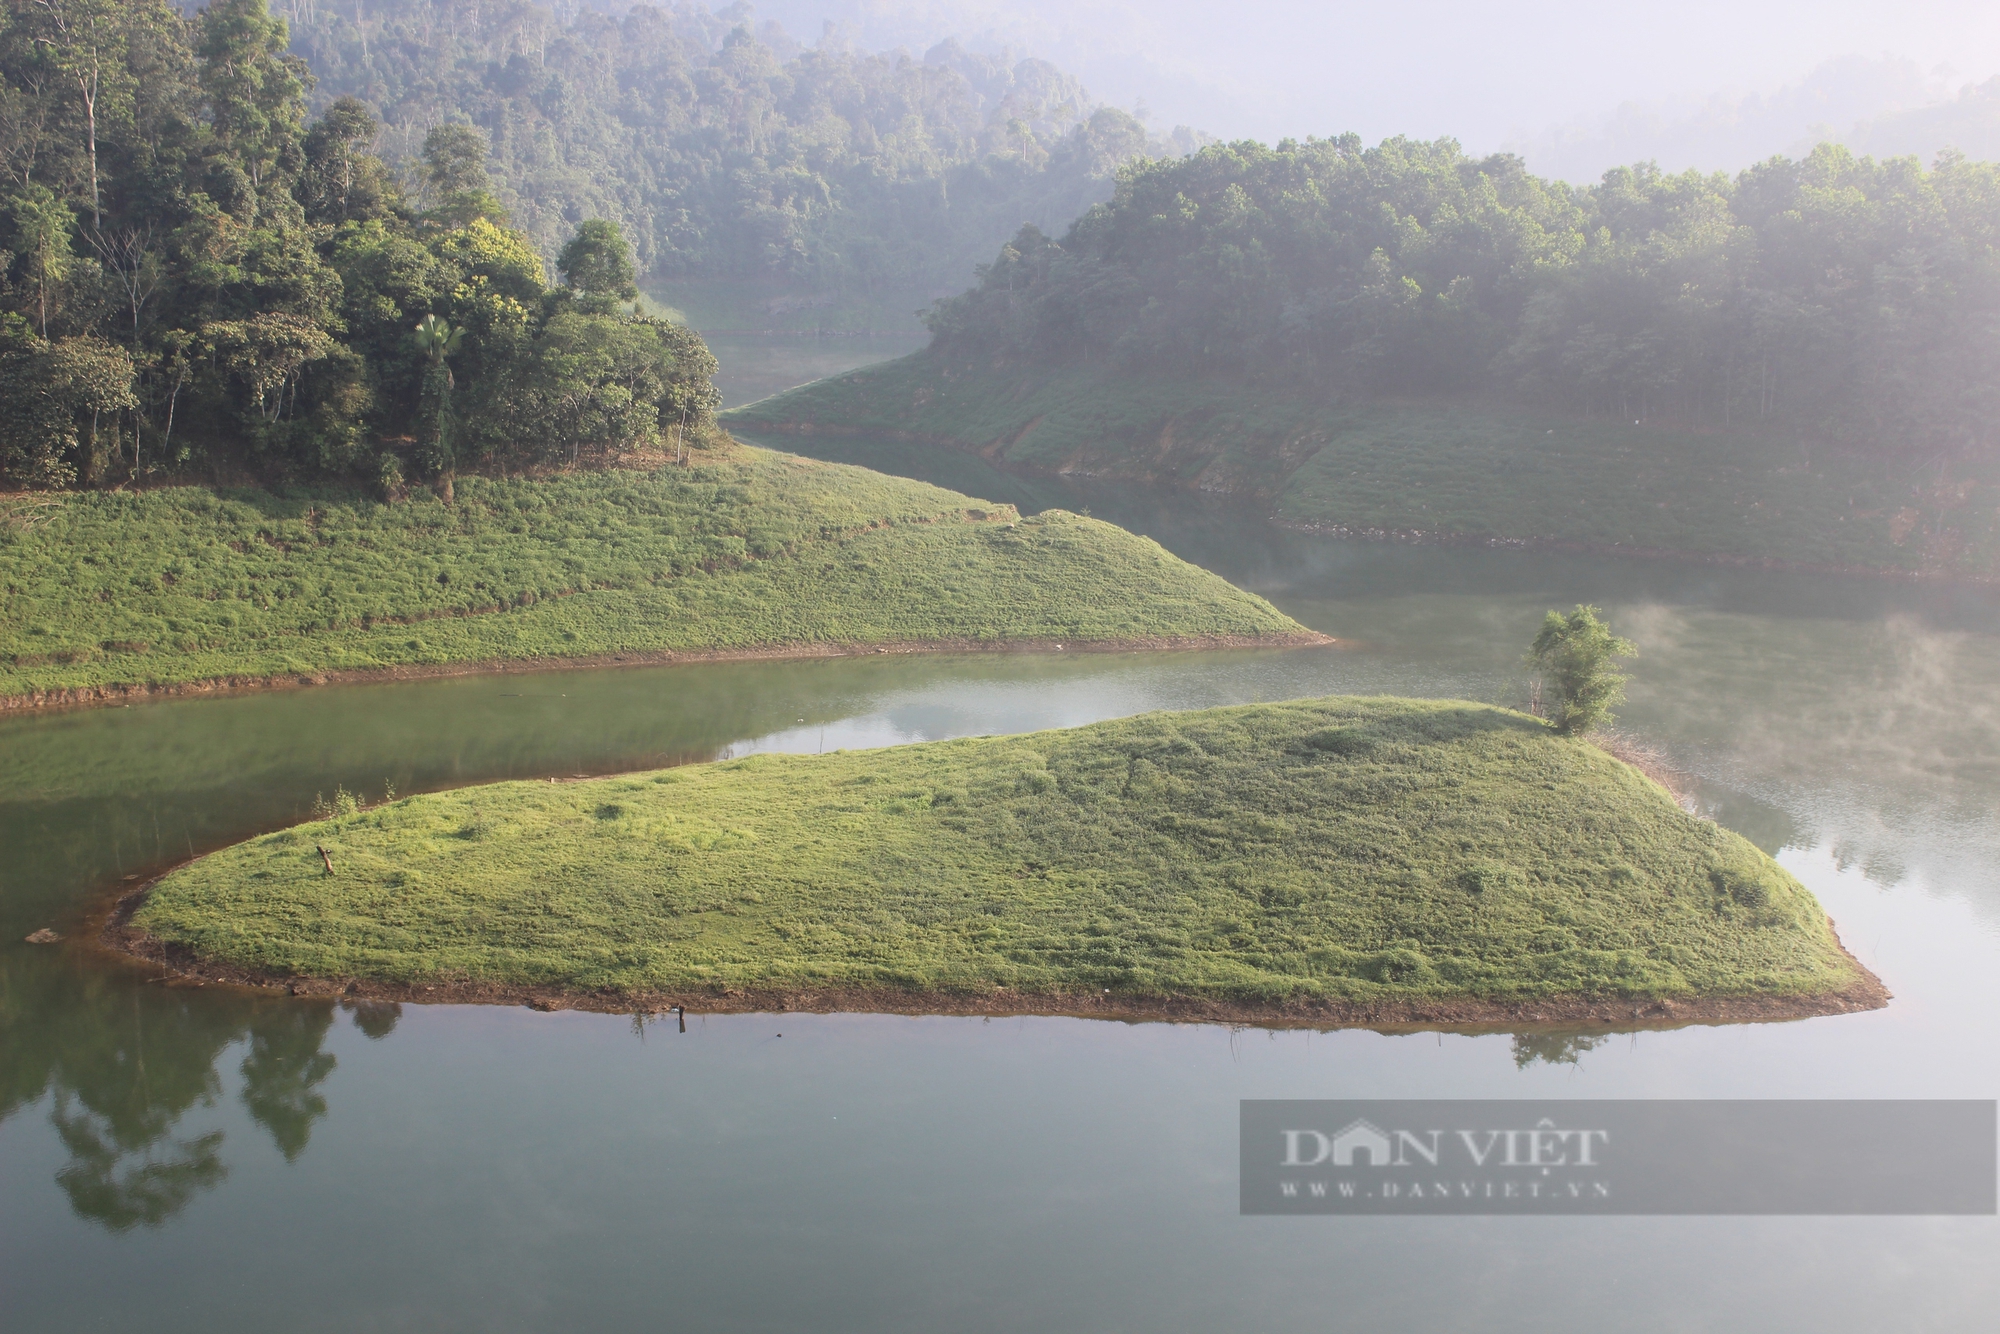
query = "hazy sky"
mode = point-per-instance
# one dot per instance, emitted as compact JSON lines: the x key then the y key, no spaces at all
{"x":1488,"y":73}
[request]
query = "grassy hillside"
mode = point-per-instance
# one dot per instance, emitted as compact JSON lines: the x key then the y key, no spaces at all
{"x":1436,"y":468}
{"x":752,"y":550}
{"x":1369,"y":849}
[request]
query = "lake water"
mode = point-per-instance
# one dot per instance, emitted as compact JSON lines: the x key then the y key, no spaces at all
{"x":212,"y":1160}
{"x":755,"y":366}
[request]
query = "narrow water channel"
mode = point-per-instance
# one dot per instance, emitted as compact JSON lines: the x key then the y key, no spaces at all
{"x":209,"y":1160}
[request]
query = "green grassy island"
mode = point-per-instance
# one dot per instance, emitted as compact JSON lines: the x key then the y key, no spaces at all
{"x":748,"y":552}
{"x":1370,"y":860}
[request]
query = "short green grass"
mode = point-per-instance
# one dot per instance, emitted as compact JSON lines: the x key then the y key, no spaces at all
{"x":749,"y":550}
{"x":1438,"y":468}
{"x":1336,"y":848}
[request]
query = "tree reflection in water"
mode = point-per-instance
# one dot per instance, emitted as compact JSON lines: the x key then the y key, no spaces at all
{"x":126,"y":1062}
{"x":1555,"y":1048}
{"x":122,"y":1185}
{"x":282,"y":1073}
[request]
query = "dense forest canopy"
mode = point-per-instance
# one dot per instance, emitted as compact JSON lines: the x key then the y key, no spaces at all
{"x":1853,"y":299}
{"x":728,"y":152}
{"x":195,"y":272}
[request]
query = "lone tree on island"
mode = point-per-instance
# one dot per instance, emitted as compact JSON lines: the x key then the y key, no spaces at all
{"x":1574,"y":655}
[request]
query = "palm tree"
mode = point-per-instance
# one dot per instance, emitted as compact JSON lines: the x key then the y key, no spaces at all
{"x":436,"y":340}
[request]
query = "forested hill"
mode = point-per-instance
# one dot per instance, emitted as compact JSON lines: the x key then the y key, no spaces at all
{"x":1835,"y":299}
{"x":728,"y":153}
{"x":198,"y":278}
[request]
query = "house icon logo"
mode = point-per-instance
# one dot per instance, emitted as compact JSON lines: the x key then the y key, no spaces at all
{"x":1364,"y":1138}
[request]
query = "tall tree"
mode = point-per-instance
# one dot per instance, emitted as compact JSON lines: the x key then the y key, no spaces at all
{"x":85,"y":44}
{"x":254,"y":89}
{"x":42,"y":225}
{"x":597,"y":265}
{"x":456,"y":185}
{"x":342,"y":180}
{"x":436,"y":341}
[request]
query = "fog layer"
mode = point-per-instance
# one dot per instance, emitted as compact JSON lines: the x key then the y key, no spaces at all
{"x":1701,"y":83}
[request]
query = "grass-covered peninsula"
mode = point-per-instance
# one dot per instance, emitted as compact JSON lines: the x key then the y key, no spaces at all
{"x":1436,"y":468}
{"x":748,"y":551}
{"x":1339,"y":857}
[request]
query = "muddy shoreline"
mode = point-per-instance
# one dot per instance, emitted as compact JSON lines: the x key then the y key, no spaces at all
{"x":85,"y":697}
{"x":177,"y":966}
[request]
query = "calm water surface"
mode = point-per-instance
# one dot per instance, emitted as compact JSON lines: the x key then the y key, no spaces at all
{"x":209,"y":1160}
{"x":755,"y":366}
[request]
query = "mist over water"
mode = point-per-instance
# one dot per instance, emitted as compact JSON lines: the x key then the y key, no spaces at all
{"x":1879,"y":739}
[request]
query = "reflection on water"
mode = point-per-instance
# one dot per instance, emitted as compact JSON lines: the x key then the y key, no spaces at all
{"x":1555,"y":1048}
{"x":1770,"y":827}
{"x":109,"y":1183}
{"x":282,"y":1074}
{"x":121,"y":1063}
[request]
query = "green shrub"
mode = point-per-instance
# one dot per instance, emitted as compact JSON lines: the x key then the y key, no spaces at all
{"x":1575,"y":656}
